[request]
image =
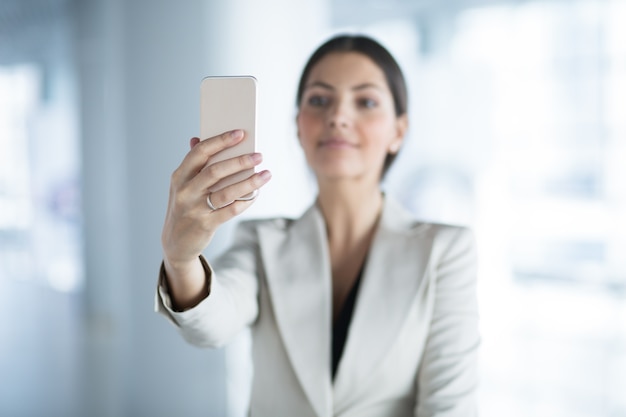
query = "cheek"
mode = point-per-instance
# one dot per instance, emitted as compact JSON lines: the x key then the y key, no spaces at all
{"x":381,"y":131}
{"x":307,"y":125}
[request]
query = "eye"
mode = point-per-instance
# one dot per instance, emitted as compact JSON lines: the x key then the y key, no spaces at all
{"x":318,"y":101}
{"x":367,"y":103}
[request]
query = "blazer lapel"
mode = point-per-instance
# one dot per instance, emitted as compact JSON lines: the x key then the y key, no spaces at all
{"x":298,"y":276}
{"x":392,"y":276}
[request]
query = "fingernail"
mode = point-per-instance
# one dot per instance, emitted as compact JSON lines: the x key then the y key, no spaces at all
{"x":256,"y":157}
{"x":236,"y":134}
{"x":265,"y":175}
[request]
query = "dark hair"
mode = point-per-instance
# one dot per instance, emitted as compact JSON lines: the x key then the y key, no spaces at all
{"x":381,"y":57}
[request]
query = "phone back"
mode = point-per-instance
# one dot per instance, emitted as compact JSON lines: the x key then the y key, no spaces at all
{"x":228,"y":103}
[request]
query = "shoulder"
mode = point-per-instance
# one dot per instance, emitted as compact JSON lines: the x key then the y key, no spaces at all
{"x":446,"y":241}
{"x":277,"y":223}
{"x":284,"y":224}
{"x":446,"y":233}
{"x":253,"y":229}
{"x":397,"y":218}
{"x":439,"y":240}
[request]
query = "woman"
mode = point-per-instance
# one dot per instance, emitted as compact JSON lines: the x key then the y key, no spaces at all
{"x":356,"y":309}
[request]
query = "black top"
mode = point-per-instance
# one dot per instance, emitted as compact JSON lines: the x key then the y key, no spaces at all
{"x":340,"y":327}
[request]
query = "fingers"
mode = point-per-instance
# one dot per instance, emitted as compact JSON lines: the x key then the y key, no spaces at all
{"x":201,"y":151}
{"x":214,"y":173}
{"x":190,"y":223}
{"x":222,"y":215}
{"x":227,"y":196}
{"x":211,"y":175}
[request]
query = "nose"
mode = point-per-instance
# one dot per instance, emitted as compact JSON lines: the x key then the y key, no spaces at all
{"x":339,"y":114}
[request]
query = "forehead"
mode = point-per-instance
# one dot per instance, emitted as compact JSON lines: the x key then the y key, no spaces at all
{"x":349,"y":68}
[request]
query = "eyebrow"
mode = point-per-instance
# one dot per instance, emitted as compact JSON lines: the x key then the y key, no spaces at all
{"x":326,"y":86}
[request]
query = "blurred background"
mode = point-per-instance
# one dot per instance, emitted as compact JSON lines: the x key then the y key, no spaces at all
{"x":518,"y":129}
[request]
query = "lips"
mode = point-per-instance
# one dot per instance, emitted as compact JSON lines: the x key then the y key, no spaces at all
{"x":336,"y":143}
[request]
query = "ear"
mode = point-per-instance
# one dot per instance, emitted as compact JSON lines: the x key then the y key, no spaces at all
{"x":402,"y":125}
{"x":298,"y":127}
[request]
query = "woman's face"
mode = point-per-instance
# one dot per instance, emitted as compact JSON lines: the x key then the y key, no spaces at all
{"x":346,"y":121}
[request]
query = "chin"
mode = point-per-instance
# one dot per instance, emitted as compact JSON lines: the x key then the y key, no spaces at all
{"x":339,"y":175}
{"x":334,"y":169}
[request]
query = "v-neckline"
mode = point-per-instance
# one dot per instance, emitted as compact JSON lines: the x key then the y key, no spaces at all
{"x":341,"y":326}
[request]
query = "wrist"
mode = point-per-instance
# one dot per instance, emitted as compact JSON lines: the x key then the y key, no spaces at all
{"x":187,"y":282}
{"x":180,"y":266}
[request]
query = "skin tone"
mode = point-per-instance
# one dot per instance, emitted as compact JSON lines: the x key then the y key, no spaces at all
{"x":346,"y":127}
{"x":190,"y":224}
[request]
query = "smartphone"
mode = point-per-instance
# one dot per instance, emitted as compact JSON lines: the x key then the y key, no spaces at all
{"x":228,"y":103}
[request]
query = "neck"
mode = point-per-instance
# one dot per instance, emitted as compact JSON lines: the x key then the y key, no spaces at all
{"x":350,"y":209}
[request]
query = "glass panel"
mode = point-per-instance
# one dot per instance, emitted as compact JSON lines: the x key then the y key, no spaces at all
{"x":39,"y":190}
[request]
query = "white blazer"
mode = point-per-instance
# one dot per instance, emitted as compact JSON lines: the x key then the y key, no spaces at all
{"x":412,"y":344}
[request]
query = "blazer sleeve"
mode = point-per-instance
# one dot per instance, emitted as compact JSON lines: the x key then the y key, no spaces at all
{"x":447,"y":378}
{"x":232,"y":301}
